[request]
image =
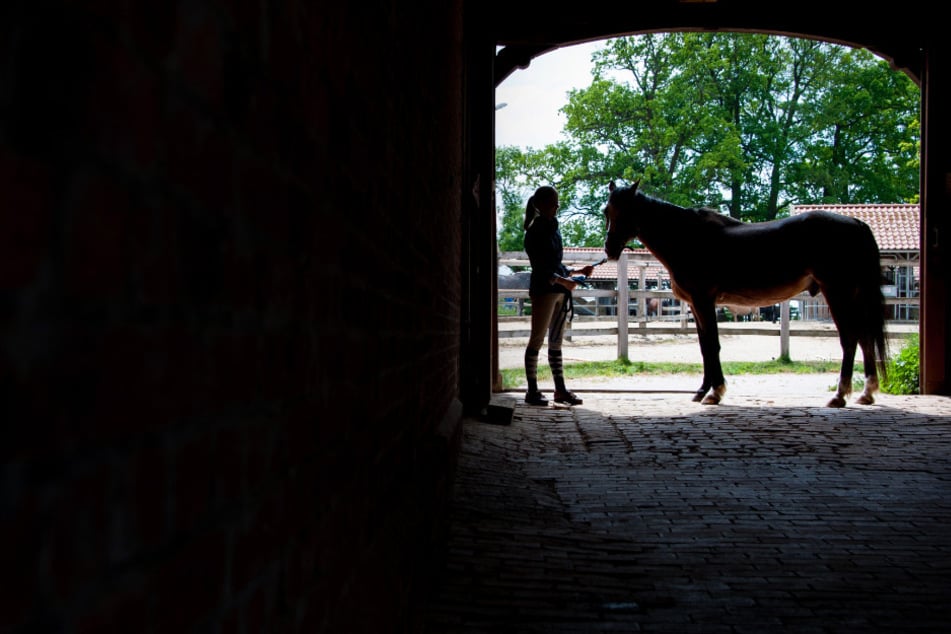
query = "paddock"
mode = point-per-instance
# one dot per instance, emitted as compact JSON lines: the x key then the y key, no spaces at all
{"x":598,"y":340}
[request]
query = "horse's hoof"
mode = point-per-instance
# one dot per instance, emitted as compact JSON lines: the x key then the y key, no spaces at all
{"x":698,"y":396}
{"x":836,"y":401}
{"x":715,"y":396}
{"x":865,"y":399}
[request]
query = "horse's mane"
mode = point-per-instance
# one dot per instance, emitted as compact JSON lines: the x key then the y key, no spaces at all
{"x":702,"y":214}
{"x":708,"y":214}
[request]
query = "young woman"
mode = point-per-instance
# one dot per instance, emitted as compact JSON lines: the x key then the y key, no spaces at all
{"x":550,"y":291}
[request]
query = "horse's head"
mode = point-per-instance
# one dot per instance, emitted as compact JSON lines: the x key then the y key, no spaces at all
{"x":620,"y":219}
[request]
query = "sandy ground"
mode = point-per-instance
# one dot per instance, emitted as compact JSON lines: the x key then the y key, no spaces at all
{"x":684,"y":348}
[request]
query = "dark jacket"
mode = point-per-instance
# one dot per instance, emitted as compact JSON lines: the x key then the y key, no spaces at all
{"x":544,"y":248}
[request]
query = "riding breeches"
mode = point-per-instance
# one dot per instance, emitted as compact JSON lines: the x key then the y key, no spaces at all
{"x":548,"y":316}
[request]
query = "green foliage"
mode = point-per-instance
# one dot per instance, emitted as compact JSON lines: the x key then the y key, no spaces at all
{"x":513,"y":377}
{"x":519,"y":173}
{"x":743,"y":122}
{"x":904,"y":370}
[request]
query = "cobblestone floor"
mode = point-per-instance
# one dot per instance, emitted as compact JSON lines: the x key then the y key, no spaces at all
{"x":650,"y":513}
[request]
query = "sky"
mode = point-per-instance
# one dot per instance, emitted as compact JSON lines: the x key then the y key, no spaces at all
{"x":534,"y":95}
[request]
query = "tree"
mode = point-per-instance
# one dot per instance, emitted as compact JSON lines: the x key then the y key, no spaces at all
{"x":867,"y":140}
{"x":746,"y":123}
{"x":518,"y":174}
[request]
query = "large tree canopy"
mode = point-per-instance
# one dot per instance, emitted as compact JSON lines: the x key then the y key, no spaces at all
{"x":744,"y":123}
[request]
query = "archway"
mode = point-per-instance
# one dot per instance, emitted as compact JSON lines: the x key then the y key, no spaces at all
{"x":525,"y":34}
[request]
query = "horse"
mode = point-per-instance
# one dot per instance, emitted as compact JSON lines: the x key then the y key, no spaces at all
{"x":708,"y":256}
{"x":742,"y":313}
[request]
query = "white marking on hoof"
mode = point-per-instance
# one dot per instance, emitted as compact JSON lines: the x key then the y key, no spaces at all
{"x":715,"y":396}
{"x":843,"y":390}
{"x":868,"y":394}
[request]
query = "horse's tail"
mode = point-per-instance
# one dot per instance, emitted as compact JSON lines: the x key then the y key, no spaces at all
{"x":876,"y":332}
{"x":872,"y":303}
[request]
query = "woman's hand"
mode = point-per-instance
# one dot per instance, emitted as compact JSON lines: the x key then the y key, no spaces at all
{"x":567,"y":282}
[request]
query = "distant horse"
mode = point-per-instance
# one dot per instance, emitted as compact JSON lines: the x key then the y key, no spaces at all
{"x":708,"y":256}
{"x":742,"y":313}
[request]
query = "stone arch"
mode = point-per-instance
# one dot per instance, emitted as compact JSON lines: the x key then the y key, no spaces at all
{"x":908,"y":41}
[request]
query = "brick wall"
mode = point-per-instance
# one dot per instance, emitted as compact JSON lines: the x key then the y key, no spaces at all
{"x":229,"y":312}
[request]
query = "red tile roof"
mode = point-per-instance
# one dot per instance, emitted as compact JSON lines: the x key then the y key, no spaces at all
{"x":608,"y":270}
{"x":896,"y":227}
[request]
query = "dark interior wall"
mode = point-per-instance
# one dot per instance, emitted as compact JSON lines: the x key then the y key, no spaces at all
{"x":229,"y":312}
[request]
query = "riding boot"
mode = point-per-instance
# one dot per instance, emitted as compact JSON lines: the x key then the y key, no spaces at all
{"x":531,"y":369}
{"x":562,"y":394}
{"x":556,"y":365}
{"x":532,"y":395}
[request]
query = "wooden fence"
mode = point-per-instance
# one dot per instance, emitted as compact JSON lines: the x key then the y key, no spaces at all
{"x":675,"y":313}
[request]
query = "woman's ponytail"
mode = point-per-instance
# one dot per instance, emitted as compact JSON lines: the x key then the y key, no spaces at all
{"x":545,"y":195}
{"x":530,"y":212}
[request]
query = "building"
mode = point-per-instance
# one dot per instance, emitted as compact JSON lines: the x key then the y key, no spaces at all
{"x":897,"y":231}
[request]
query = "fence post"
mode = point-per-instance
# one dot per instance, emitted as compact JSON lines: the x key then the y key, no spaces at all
{"x":641,"y":295}
{"x":784,"y":330}
{"x":622,"y":306}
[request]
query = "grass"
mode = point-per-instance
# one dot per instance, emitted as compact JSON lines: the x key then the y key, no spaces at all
{"x":513,"y":377}
{"x":904,"y":369}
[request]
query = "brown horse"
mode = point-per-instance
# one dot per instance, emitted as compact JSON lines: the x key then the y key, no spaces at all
{"x":715,"y":259}
{"x":742,"y":313}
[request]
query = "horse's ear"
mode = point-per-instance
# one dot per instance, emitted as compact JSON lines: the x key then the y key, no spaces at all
{"x":634,"y":186}
{"x":611,"y":186}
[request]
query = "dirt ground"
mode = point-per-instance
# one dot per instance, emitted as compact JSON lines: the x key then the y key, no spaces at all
{"x":684,"y":348}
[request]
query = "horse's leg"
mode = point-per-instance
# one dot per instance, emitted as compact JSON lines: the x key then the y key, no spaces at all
{"x":705,"y":385}
{"x":867,"y":397}
{"x":844,"y":388}
{"x":705,"y":316}
{"x":845,"y":323}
